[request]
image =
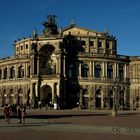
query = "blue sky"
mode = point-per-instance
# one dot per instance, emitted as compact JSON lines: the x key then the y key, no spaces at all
{"x":121,"y":18}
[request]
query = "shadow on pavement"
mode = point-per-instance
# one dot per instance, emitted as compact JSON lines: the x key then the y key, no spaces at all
{"x":63,"y":115}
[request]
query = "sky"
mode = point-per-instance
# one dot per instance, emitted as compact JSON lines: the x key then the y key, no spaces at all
{"x":18,"y":19}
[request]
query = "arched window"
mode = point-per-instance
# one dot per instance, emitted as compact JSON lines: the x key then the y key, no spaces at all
{"x":5,"y":73}
{"x":85,"y":70}
{"x":12,"y":72}
{"x":20,"y":72}
{"x":98,"y":71}
{"x":109,"y":71}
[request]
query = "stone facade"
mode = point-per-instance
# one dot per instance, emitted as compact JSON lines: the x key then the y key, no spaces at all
{"x":73,"y":67}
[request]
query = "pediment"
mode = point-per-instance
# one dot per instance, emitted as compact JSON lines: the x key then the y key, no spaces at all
{"x":81,"y":32}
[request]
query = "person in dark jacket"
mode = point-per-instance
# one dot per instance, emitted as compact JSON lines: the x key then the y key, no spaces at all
{"x":19,"y":114}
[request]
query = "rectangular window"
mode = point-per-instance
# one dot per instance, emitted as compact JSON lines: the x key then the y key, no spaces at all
{"x":100,"y":44}
{"x":83,"y":42}
{"x":91,"y":43}
{"x":110,"y":74}
{"x":107,"y":45}
{"x":21,"y":47}
{"x":26,"y":46}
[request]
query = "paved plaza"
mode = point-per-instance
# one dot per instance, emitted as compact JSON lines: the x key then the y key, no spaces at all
{"x":72,"y":124}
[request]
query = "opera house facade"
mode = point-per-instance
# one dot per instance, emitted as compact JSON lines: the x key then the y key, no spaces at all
{"x":73,"y":67}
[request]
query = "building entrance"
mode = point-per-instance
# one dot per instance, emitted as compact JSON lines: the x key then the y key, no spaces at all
{"x":46,"y":96}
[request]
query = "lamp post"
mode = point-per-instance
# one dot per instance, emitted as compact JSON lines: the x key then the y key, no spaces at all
{"x":114,"y":109}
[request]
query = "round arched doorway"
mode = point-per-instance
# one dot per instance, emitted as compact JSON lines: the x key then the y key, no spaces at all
{"x":46,"y":95}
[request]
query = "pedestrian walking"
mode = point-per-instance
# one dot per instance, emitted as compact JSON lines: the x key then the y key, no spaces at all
{"x":23,"y":113}
{"x":6,"y":112}
{"x":19,"y":114}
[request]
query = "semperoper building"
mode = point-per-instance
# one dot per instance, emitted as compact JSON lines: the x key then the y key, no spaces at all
{"x":73,"y":67}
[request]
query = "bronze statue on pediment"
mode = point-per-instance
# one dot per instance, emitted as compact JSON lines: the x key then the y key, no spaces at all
{"x":50,"y":26}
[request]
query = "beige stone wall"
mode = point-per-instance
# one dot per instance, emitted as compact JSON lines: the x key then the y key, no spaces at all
{"x":99,"y":50}
{"x":134,"y":68}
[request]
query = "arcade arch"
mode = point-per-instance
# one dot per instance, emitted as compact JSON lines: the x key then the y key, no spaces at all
{"x":46,"y":95}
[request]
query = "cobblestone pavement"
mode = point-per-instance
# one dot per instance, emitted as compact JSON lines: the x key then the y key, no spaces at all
{"x":84,"y":125}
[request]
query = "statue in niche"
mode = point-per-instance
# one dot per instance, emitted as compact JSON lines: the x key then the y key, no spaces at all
{"x":52,"y":66}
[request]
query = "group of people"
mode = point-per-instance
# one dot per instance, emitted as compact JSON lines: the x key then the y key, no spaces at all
{"x":20,"y":112}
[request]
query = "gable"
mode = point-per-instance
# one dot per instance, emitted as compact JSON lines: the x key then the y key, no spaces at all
{"x":81,"y":32}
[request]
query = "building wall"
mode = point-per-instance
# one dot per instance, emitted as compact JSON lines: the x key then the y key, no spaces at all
{"x":94,"y":78}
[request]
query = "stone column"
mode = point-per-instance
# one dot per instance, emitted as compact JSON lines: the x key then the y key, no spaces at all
{"x":59,"y":60}
{"x":116,"y":71}
{"x":32,"y":65}
{"x":57,"y":66}
{"x":31,"y":91}
{"x":103,"y":69}
{"x":26,"y":68}
{"x":58,"y":89}
{"x":38,"y":66}
{"x":93,"y":69}
{"x":125,"y":71}
{"x":52,"y":87}
{"x":64,"y":66}
{"x":80,"y":68}
{"x":16,"y":71}
{"x":36,"y":89}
